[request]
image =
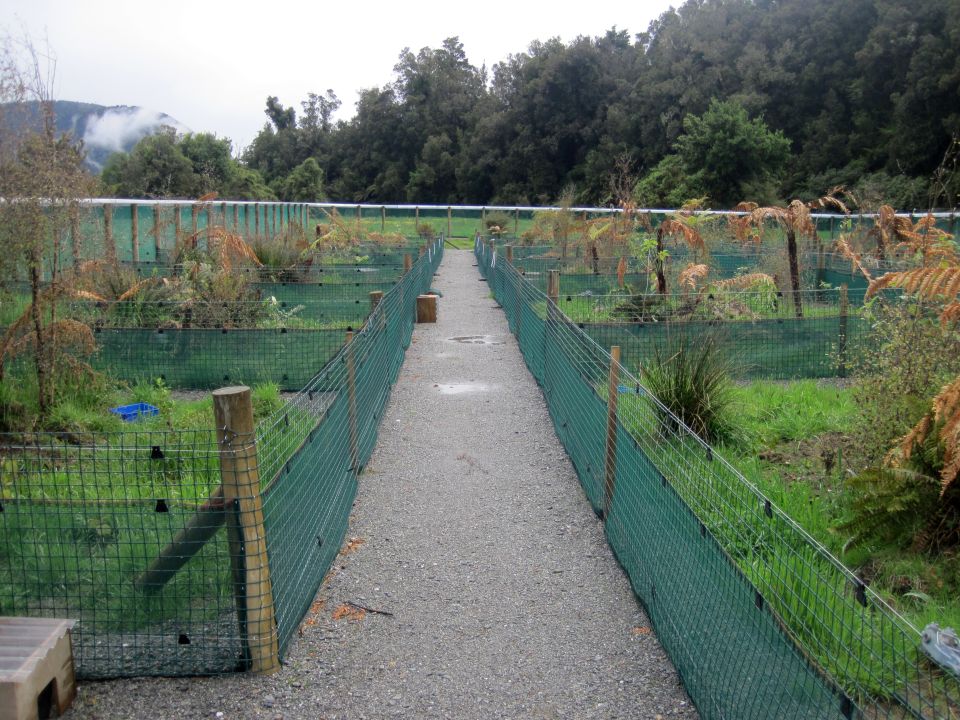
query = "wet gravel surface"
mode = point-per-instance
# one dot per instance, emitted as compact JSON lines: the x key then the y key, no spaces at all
{"x":470,"y":529}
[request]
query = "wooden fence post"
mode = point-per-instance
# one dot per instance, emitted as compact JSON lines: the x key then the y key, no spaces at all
{"x":240,"y":477}
{"x":407,"y":263}
{"x":426,"y":308}
{"x":194,"y":214}
{"x":75,"y":233}
{"x":383,"y":218}
{"x":449,"y":221}
{"x":256,"y":219}
{"x":375,"y":297}
{"x":157,"y":210}
{"x":621,"y":272}
{"x":510,"y":254}
{"x":135,"y":233}
{"x":352,"y":398}
{"x":516,"y":222}
{"x":236,"y":218}
{"x":553,"y":285}
{"x":109,"y":248}
{"x":610,"y":458}
{"x":842,"y":339}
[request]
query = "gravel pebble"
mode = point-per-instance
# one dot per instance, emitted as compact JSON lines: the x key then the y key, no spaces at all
{"x":472,"y":532}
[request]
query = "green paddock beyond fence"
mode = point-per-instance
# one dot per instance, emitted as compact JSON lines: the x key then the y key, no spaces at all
{"x":130,"y":533}
{"x":760,"y":621}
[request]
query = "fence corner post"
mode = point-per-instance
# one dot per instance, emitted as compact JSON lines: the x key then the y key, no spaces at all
{"x":352,"y":403}
{"x":610,"y":457}
{"x":842,"y":338}
{"x":243,"y":506}
{"x":553,"y":285}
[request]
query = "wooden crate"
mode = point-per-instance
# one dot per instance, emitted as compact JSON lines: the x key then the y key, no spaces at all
{"x":36,"y":667}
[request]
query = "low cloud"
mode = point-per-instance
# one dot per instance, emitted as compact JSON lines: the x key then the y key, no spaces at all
{"x":119,"y":128}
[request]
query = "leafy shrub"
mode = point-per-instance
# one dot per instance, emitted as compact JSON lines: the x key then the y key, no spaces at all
{"x":498,"y":223}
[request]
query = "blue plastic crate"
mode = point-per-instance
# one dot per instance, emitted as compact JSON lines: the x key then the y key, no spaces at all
{"x":130,"y":413}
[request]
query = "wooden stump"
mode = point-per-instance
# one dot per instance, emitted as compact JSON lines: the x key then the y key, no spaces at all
{"x":426,"y":308}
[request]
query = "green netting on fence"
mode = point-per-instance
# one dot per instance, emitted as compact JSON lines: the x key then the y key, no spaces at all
{"x":208,"y":358}
{"x":138,"y":536}
{"x":759,"y":619}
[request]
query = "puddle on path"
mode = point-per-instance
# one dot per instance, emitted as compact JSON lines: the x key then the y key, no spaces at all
{"x":462,"y":388}
{"x":476,"y":340}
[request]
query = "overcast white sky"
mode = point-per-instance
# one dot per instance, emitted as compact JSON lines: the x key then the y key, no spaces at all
{"x":211,"y":65}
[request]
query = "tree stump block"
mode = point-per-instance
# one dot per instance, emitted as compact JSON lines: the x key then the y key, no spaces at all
{"x":36,"y":667}
{"x":426,"y":308}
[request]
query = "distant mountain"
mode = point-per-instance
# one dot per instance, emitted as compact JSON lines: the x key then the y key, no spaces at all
{"x":104,"y":130}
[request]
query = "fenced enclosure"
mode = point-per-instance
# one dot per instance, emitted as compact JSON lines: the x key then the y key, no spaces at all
{"x":148,"y":538}
{"x":760,"y":620}
{"x":145,"y":232}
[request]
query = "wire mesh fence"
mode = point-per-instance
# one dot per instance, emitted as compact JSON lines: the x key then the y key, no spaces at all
{"x":147,"y":231}
{"x":760,"y":620}
{"x":184,"y":553}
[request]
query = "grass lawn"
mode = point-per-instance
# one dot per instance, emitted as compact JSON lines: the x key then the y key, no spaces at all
{"x":797,"y":448}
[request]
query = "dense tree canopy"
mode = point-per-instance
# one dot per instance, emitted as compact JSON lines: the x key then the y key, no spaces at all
{"x":732,"y":99}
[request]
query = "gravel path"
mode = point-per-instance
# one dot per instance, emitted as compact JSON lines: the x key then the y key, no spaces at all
{"x":470,"y":528}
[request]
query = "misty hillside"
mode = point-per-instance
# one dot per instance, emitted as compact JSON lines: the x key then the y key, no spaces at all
{"x":104,"y":130}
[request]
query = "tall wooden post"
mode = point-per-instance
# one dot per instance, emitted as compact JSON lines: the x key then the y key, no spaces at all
{"x":240,"y":477}
{"x":134,"y":234}
{"x":109,"y":248}
{"x":509,"y":249}
{"x":358,"y":219}
{"x":273,"y":220}
{"x":223,"y":211}
{"x":842,"y":338}
{"x":407,"y":263}
{"x":352,"y":398}
{"x":553,"y":285}
{"x":256,"y":219}
{"x":610,"y":458}
{"x":449,"y":221}
{"x":376,"y":296}
{"x":211,"y":221}
{"x":416,"y":219}
{"x":194,"y":214}
{"x":622,"y":272}
{"x":516,"y":223}
{"x":236,"y":218}
{"x":157,"y":210}
{"x":75,"y":240}
{"x":177,"y":223}
{"x":383,"y":218}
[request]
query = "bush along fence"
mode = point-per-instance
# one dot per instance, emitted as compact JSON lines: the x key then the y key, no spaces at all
{"x":185,"y":553}
{"x":759,"y":619}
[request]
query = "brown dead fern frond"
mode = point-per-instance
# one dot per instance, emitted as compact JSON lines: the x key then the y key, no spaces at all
{"x":842,"y":246}
{"x":944,"y":419}
{"x":137,"y":287}
{"x":693,"y":274}
{"x":832,"y":200}
{"x":930,"y":283}
{"x":227,"y":247}
{"x":87,"y":295}
{"x":677,"y":228}
{"x":751,"y":281}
